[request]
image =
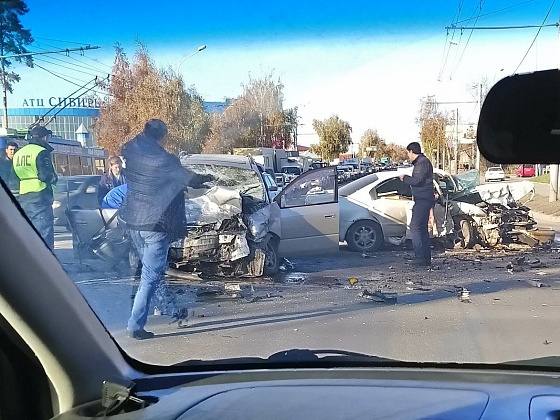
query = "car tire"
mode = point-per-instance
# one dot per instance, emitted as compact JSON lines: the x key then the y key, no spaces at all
{"x":467,"y":232}
{"x":365,"y":236}
{"x":271,"y":258}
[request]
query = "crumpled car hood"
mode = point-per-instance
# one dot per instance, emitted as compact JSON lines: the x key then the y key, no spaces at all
{"x":494,"y":193}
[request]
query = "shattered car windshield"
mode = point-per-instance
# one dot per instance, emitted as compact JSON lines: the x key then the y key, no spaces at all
{"x":182,"y":251}
{"x":467,"y":181}
{"x":245,"y":181}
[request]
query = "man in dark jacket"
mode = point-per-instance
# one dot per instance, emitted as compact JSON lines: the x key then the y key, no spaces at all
{"x":154,"y":212}
{"x":422,"y":186}
{"x":37,"y":178}
{"x":7,"y":172}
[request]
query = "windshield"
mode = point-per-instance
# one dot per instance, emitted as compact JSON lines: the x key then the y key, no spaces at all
{"x":183,"y":261}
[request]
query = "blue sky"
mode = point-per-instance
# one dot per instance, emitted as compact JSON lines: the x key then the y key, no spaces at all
{"x":368,"y":61}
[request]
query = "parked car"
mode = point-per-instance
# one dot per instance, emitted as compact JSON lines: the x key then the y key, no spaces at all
{"x":526,"y":170}
{"x":494,"y":173}
{"x":74,"y":192}
{"x":376,"y":209}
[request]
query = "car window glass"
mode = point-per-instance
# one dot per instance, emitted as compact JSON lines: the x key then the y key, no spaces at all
{"x":314,"y":187}
{"x":393,"y":186}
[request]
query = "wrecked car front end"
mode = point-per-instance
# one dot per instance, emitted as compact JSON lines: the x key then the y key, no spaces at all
{"x":493,"y":215}
{"x":231,"y":221}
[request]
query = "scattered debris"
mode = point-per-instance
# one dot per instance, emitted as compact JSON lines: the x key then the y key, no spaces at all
{"x":540,"y":273}
{"x":546,"y":342}
{"x":514,"y":268}
{"x":285,"y":264}
{"x":535,"y":283}
{"x":157,"y":311}
{"x":295,"y":280}
{"x":379,"y":296}
{"x":368,"y":255}
{"x":352,"y":280}
{"x":464,"y":295}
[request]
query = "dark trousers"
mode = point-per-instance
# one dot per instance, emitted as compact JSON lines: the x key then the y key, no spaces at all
{"x":419,"y":229}
{"x":42,"y":217}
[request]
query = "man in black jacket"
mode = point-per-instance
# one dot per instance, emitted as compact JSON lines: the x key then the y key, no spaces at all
{"x":154,"y":212}
{"x":422,"y":186}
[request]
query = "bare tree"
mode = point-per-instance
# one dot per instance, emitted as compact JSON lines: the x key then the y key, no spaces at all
{"x":255,"y":118}
{"x":139,"y":91}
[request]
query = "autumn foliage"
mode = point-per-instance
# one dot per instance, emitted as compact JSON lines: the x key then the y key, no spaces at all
{"x":139,"y":91}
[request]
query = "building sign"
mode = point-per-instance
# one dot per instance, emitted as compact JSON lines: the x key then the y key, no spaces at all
{"x":53,"y":101}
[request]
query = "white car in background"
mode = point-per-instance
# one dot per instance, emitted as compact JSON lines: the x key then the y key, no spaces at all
{"x":494,"y":173}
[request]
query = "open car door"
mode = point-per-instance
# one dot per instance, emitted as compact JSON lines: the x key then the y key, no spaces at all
{"x":309,"y":213}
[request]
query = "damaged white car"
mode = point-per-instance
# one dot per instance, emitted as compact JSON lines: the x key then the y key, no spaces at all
{"x":377,"y":209}
{"x":234,"y":227}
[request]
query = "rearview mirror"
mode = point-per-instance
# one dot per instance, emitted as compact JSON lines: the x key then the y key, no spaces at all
{"x":520,"y":119}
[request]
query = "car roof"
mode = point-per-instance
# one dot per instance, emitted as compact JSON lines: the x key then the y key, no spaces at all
{"x":371,"y":179}
{"x":223,"y":160}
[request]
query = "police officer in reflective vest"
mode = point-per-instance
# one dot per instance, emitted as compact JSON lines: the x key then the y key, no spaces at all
{"x":34,"y":168}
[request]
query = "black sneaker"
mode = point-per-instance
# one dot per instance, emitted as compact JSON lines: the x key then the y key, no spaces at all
{"x":141,"y":334}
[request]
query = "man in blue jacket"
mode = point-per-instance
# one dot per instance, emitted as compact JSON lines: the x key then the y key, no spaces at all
{"x":422,"y":186}
{"x":154,"y":212}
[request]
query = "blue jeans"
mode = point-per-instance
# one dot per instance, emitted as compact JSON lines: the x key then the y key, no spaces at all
{"x":152,"y":249}
{"x":419,"y":229}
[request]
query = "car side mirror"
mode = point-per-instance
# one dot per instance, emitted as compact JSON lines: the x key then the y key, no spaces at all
{"x":91,"y":190}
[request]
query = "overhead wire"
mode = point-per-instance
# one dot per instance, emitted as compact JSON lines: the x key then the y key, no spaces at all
{"x":85,"y":65}
{"x":448,"y":43}
{"x":66,"y":77}
{"x":535,"y":38}
{"x":480,"y":6}
{"x":65,"y":67}
{"x":498,"y":11}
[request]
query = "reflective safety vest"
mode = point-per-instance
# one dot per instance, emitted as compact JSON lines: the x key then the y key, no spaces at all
{"x":25,"y":167}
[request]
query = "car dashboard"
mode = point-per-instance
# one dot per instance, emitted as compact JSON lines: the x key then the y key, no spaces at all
{"x":381,"y":393}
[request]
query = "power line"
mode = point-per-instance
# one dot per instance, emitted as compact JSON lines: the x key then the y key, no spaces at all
{"x":536,"y":35}
{"x":498,"y":11}
{"x":448,"y":44}
{"x":85,"y":66}
{"x":66,"y":50}
{"x":69,"y":57}
{"x":59,"y":40}
{"x":480,"y":5}
{"x":66,"y":67}
{"x":66,"y":80}
{"x":505,"y":27}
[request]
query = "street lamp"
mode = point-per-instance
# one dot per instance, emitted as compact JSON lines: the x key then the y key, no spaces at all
{"x":201,"y":48}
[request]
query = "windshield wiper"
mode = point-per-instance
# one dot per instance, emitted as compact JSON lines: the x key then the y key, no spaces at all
{"x":298,"y":356}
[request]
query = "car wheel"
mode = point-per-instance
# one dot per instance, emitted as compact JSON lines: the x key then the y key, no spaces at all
{"x":468,"y":236}
{"x":364,"y":236}
{"x":271,"y":258}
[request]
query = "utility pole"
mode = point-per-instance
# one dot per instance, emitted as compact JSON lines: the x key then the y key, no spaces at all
{"x":456,"y":143}
{"x":479,"y":112}
{"x":3,"y":57}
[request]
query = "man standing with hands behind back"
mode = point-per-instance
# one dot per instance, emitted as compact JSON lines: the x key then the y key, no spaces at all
{"x":422,"y":186}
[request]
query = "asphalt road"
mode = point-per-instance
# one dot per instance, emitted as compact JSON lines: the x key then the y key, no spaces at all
{"x":317,"y":306}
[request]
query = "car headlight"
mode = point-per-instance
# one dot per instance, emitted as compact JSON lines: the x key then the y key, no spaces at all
{"x":56,"y":204}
